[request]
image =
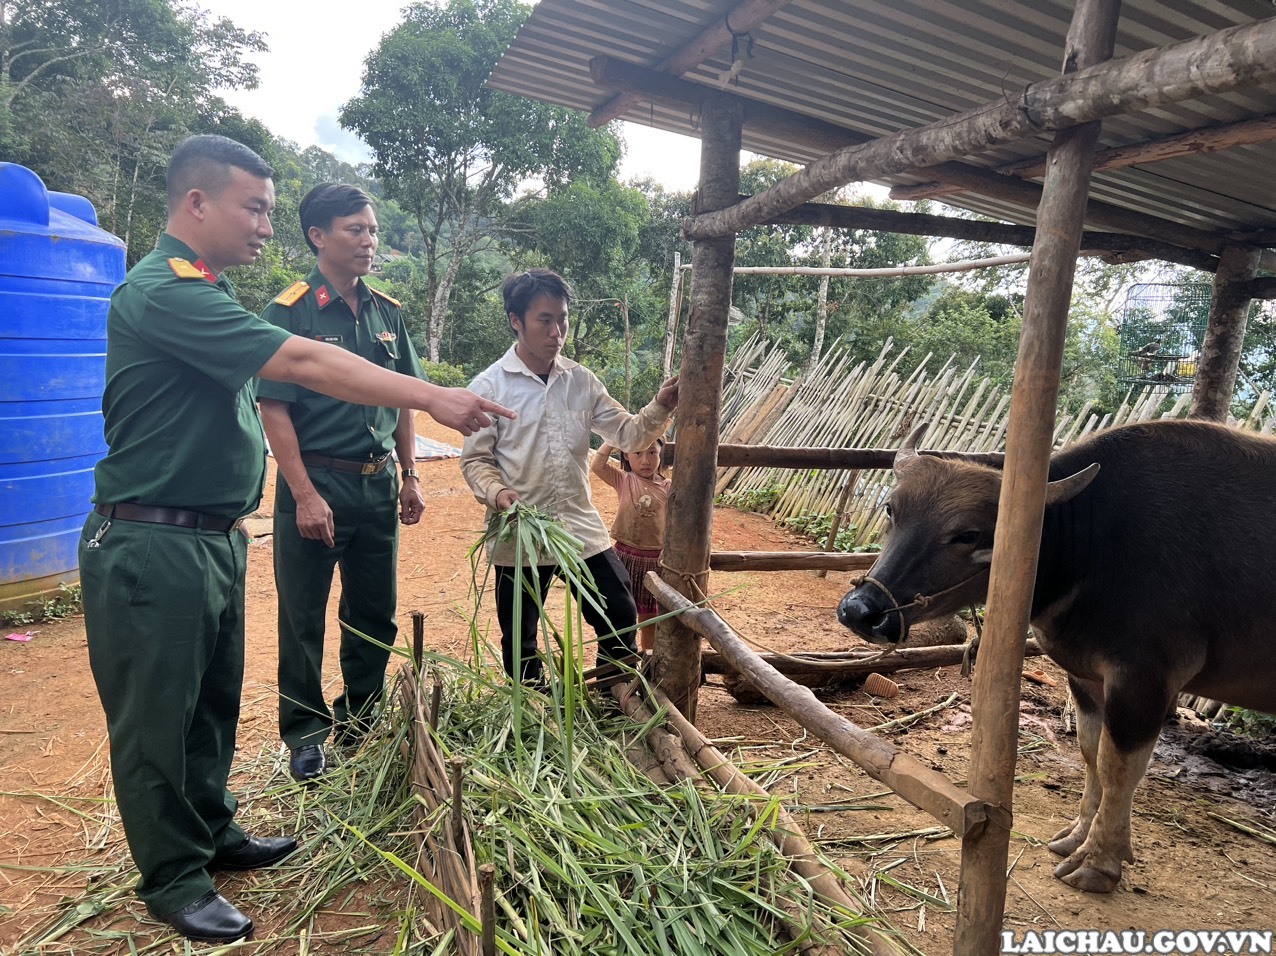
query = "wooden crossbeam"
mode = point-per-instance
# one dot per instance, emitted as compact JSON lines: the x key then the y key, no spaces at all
{"x":738,"y":21}
{"x":1193,"y":143}
{"x":765,"y":456}
{"x":787,"y":125}
{"x":1114,"y":246}
{"x":789,"y":561}
{"x":1233,"y":58}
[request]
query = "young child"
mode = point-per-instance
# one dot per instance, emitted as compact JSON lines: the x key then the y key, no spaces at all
{"x":639,"y":528}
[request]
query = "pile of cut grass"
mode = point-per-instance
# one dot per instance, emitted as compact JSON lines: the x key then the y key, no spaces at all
{"x":593,"y":857}
{"x":590,"y":855}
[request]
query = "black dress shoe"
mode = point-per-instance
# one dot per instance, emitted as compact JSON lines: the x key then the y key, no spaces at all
{"x":253,"y":853}
{"x":210,"y":919}
{"x":307,"y":763}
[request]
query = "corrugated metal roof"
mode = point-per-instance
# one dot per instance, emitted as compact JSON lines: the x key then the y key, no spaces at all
{"x":881,"y":67}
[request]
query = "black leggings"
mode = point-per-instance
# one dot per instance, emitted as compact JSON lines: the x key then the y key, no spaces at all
{"x":612,"y":581}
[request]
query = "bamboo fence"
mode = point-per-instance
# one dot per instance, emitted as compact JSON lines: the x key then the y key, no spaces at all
{"x":836,"y":404}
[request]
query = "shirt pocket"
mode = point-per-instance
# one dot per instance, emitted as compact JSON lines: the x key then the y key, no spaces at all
{"x":388,"y":352}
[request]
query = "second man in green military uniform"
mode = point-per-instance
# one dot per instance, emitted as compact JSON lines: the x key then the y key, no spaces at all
{"x":338,"y":500}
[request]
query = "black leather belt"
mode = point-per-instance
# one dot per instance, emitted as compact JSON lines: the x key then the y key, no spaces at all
{"x":342,"y":464}
{"x":175,"y":516}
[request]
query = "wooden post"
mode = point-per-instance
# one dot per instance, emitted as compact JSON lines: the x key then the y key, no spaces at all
{"x":1221,"y":350}
{"x":704,"y":348}
{"x":981,"y":895}
{"x":418,"y":639}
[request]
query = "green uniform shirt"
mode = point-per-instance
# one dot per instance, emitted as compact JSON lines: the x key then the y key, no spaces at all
{"x":329,"y":426}
{"x":181,"y":423}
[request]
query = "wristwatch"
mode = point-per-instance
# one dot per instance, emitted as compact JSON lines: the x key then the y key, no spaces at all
{"x":411,"y":473}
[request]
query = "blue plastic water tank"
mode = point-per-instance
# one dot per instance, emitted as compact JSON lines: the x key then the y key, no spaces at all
{"x":57,"y":271}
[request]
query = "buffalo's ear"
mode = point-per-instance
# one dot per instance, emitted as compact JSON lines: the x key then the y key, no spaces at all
{"x":907,"y":454}
{"x":1065,"y":489}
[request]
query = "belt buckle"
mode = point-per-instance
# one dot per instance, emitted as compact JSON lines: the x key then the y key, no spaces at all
{"x":370,"y":468}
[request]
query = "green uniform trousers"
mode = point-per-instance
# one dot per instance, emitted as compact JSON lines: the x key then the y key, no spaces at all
{"x":164,"y":615}
{"x":365,"y":512}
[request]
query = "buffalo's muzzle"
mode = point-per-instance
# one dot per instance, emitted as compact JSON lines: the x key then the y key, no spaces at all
{"x":869,"y":612}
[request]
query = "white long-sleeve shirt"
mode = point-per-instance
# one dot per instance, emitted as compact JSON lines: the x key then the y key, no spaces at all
{"x":543,"y":455}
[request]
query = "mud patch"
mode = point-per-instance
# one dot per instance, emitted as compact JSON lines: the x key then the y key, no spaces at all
{"x":1219,"y":762}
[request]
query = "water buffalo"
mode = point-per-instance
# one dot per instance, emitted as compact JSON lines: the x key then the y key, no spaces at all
{"x":1155,"y":575}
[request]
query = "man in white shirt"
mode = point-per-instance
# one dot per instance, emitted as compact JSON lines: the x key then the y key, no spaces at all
{"x":541,"y":458}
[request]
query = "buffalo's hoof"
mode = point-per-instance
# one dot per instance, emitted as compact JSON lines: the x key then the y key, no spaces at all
{"x":1087,"y":878}
{"x":1083,"y":871}
{"x":1067,"y":841}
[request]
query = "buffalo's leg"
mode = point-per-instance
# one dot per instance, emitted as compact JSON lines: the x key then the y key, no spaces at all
{"x":1132,"y":716}
{"x":1088,"y":696}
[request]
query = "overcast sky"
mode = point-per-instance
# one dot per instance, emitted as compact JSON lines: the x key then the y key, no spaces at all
{"x":315,"y":63}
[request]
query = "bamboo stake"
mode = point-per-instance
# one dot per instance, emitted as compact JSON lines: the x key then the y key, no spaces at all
{"x":487,"y":884}
{"x":835,"y":526}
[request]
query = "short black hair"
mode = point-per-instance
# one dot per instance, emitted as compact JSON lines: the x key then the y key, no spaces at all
{"x":660,"y":465}
{"x":521,"y":288}
{"x":326,"y":202}
{"x":205,"y":161}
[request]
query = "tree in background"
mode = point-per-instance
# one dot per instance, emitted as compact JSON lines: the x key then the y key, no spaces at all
{"x":787,"y":309}
{"x":94,"y":95}
{"x":451,"y":151}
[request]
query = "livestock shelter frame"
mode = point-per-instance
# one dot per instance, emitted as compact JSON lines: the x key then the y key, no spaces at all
{"x":1150,"y":126}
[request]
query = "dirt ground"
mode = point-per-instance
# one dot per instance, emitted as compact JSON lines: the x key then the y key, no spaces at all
{"x":1194,"y":871}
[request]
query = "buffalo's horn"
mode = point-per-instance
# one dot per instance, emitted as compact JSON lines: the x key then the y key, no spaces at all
{"x":907,"y":453}
{"x":1068,"y":488}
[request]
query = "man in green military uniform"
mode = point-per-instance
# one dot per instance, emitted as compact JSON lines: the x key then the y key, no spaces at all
{"x":338,"y":502}
{"x":162,"y":555}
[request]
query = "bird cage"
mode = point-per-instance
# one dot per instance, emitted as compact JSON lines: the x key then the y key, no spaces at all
{"x":1162,"y":329}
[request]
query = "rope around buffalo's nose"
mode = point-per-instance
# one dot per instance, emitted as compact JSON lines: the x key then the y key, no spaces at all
{"x":923,"y":600}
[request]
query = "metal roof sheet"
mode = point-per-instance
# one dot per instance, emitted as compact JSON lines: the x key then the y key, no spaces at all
{"x":881,"y":67}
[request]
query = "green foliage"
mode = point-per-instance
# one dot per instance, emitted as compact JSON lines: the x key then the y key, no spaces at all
{"x":451,"y":150}
{"x":975,"y":328}
{"x":817,"y":528}
{"x":1251,"y":723}
{"x":585,"y":229}
{"x":1258,"y":360}
{"x":95,"y":95}
{"x":67,"y":600}
{"x":448,"y":376}
{"x":761,"y":500}
{"x":256,"y":285}
{"x":862,"y":312}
